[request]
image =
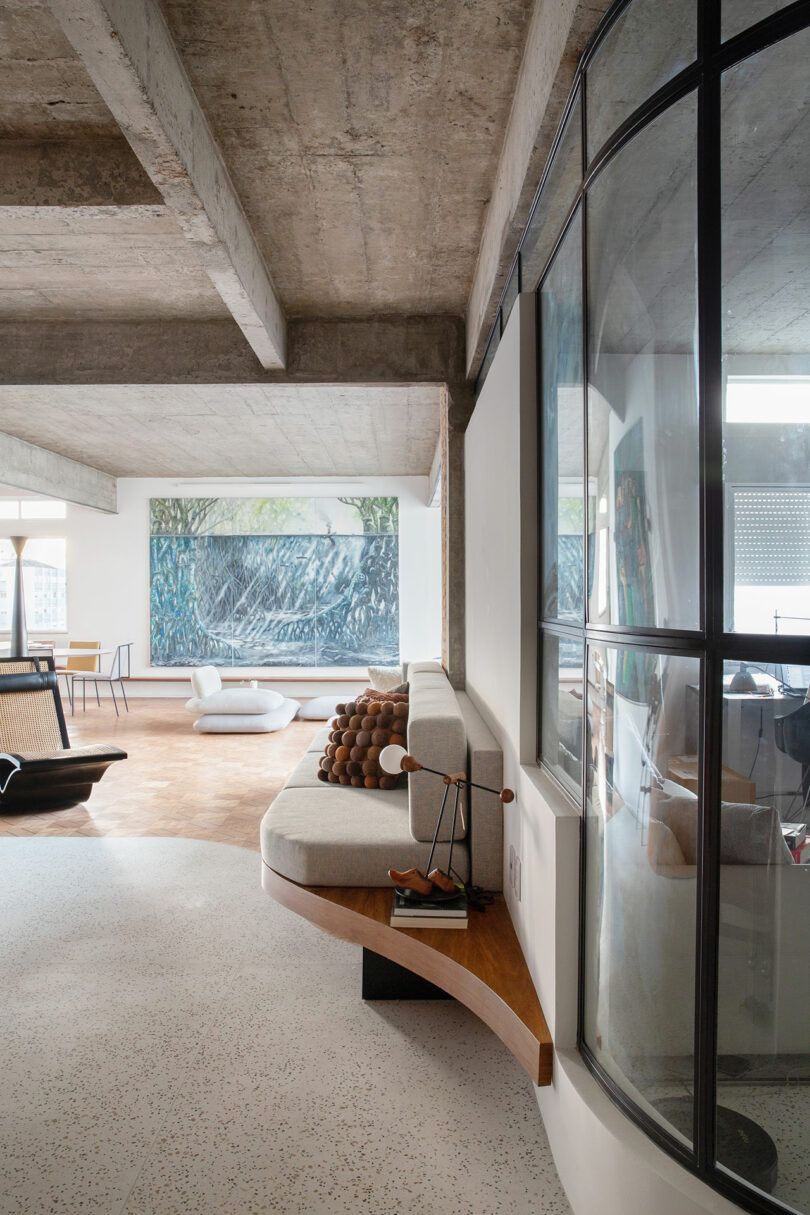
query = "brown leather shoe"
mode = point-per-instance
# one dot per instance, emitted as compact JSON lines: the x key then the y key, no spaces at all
{"x":411,"y":879}
{"x":442,"y":880}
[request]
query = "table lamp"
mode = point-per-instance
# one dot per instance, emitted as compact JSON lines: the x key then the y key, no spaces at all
{"x":434,"y":885}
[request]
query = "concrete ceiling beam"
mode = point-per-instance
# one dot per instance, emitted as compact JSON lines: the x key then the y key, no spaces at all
{"x":128,"y":52}
{"x":558,"y":34}
{"x":73,"y":173}
{"x":384,"y":350}
{"x":25,"y":466}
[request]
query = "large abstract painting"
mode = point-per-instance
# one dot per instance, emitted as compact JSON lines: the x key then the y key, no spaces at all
{"x":274,"y":581}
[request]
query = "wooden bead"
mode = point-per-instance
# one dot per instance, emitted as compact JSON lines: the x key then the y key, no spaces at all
{"x":357,"y":754}
{"x":368,"y":723}
{"x":370,"y":782}
{"x":349,"y":738}
{"x":371,"y":768}
{"x":331,"y":749}
{"x":338,"y":768}
{"x":357,"y":781}
{"x":384,"y":721}
{"x":397,"y":740}
{"x":380,"y":738}
{"x":353,"y":769}
{"x":326,"y":763}
{"x":374,"y":708}
{"x":400,"y":709}
{"x":373,"y":753}
{"x":388,"y":782}
{"x":363,"y":738}
{"x":343,"y":721}
{"x":342,"y":753}
{"x":340,"y":710}
{"x":355,"y":722}
{"x":332,"y":778}
{"x":345,"y":780}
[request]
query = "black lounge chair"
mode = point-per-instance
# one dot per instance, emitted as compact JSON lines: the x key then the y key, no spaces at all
{"x":38,"y":768}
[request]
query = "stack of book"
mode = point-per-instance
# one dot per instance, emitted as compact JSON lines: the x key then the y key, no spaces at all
{"x":421,"y":913}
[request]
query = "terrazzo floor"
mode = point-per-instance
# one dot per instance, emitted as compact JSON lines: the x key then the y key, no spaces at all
{"x":176,"y":1043}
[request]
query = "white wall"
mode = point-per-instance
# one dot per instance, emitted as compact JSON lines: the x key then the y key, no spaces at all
{"x":108,"y":569}
{"x":606,"y":1164}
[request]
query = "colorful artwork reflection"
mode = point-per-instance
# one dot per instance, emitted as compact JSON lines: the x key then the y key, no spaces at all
{"x":293,"y":582}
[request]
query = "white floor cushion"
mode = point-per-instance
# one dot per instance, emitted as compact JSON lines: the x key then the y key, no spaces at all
{"x":320,"y":708}
{"x":248,"y":723}
{"x":237,"y":700}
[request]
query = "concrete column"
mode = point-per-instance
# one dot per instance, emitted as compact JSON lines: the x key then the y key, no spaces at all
{"x":458,"y":407}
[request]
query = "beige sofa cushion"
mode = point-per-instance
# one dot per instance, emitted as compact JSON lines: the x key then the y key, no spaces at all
{"x":437,"y":738}
{"x":339,"y":836}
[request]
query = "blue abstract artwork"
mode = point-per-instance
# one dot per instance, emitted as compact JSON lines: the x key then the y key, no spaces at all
{"x":293,"y":582}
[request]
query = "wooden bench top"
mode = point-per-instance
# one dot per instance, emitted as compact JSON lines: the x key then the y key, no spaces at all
{"x":482,"y":966}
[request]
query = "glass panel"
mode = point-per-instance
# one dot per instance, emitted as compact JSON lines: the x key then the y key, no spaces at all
{"x":645,"y":47}
{"x":642,"y":398}
{"x":562,"y":426}
{"x":766,"y":334}
{"x":510,"y":295}
{"x":763,"y":1066}
{"x":561,"y":743}
{"x":554,"y":203}
{"x":738,"y":15}
{"x":44,"y":584}
{"x":640,"y":877}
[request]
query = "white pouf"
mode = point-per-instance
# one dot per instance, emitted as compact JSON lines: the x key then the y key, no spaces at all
{"x":320,"y":708}
{"x":248,"y":723}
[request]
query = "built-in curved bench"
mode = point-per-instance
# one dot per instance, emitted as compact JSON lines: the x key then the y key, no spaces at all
{"x":482,"y":967}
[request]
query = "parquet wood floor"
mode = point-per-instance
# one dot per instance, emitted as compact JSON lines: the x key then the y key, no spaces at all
{"x":175,"y":782}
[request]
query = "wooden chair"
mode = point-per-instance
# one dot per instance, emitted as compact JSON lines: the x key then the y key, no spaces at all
{"x":85,"y":663}
{"x":38,"y":768}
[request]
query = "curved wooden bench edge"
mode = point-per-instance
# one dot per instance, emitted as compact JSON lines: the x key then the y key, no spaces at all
{"x":533,"y":1052}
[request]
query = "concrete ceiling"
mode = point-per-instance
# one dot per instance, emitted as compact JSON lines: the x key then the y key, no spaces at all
{"x":356,"y":144}
{"x":245,"y":430}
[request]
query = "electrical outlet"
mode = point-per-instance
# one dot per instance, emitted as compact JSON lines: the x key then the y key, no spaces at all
{"x":516,"y":878}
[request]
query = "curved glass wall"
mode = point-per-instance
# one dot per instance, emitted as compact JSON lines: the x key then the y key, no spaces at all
{"x":673,"y":277}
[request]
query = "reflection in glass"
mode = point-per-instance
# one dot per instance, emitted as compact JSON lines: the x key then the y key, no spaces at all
{"x":766,"y":335}
{"x":561,"y":742}
{"x":764,"y":965}
{"x":646,"y":46}
{"x":738,"y":15}
{"x":642,"y":400}
{"x":555,"y":202}
{"x":640,"y":875}
{"x":562,"y":432}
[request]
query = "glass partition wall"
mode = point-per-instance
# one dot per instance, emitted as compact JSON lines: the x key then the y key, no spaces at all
{"x":669,"y":245}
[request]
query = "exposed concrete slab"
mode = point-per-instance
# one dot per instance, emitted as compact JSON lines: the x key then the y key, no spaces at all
{"x":362,"y":138}
{"x":47,"y":93}
{"x":558,"y":34}
{"x":73,"y":173}
{"x":239,"y":430}
{"x":100,"y":263}
{"x":32,"y":468}
{"x":391,"y":350}
{"x":128,"y":52}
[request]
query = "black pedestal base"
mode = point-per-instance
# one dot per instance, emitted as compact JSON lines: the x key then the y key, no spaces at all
{"x":387,"y":980}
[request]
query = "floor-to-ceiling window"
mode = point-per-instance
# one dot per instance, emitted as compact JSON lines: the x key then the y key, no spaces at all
{"x":670,"y":249}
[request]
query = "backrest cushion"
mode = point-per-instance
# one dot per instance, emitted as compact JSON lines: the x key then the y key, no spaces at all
{"x":205,"y":681}
{"x":750,"y":834}
{"x":437,"y":738}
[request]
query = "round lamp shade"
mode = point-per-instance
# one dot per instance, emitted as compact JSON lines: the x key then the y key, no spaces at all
{"x":391,"y":758}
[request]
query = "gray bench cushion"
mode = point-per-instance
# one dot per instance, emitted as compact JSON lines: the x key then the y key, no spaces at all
{"x":436,"y":737}
{"x":339,"y":836}
{"x":319,"y":741}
